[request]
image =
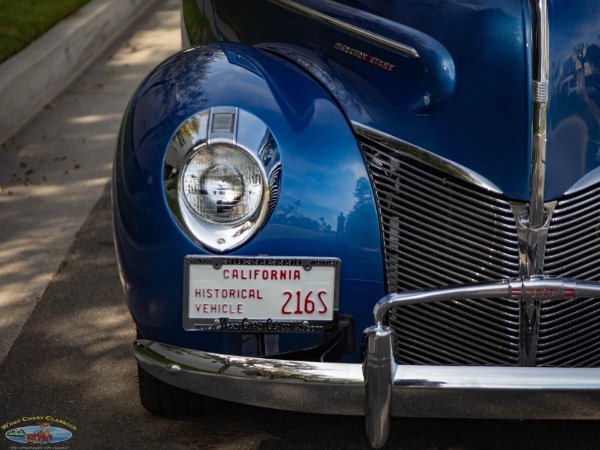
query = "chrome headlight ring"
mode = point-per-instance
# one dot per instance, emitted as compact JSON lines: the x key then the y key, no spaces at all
{"x":221,"y":177}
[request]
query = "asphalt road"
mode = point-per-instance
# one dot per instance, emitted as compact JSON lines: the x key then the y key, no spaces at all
{"x":72,"y":363}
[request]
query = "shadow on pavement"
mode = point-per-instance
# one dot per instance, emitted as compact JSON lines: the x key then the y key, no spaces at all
{"x":53,"y":171}
{"x":72,"y":362}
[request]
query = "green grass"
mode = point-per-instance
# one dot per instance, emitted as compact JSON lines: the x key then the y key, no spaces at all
{"x":23,"y":21}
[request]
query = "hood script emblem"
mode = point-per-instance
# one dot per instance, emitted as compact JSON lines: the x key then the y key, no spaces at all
{"x":365,"y":57}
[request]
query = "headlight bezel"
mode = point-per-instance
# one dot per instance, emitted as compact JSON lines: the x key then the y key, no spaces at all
{"x":210,"y":130}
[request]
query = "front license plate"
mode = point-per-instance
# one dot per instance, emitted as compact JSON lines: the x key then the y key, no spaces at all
{"x":263,"y":294}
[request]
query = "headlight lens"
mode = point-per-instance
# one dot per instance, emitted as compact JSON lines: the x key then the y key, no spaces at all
{"x":222,"y":184}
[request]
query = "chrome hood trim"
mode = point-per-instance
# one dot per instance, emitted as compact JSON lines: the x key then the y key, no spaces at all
{"x":360,"y":33}
{"x":539,"y":100}
{"x":426,"y":157}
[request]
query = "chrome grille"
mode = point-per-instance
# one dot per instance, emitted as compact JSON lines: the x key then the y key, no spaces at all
{"x":439,"y":231}
{"x":570,"y":330}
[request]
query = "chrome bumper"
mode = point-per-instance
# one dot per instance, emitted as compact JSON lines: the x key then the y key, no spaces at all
{"x":379,"y":388}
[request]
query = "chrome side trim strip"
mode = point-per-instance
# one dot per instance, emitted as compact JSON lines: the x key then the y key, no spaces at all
{"x":425,"y":157}
{"x":539,"y":97}
{"x":348,"y":28}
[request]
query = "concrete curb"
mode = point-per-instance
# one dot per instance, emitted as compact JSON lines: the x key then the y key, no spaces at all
{"x":33,"y":77}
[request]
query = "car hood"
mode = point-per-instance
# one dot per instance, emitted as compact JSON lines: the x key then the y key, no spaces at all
{"x":450,"y":77}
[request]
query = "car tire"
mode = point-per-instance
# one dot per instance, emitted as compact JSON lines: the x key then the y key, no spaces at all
{"x":161,"y":398}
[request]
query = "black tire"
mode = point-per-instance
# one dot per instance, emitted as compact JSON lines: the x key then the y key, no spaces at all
{"x":163,"y":399}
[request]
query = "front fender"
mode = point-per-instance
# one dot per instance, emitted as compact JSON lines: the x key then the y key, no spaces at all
{"x":325,"y":206}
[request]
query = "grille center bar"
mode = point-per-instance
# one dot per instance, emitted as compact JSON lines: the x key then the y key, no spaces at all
{"x":532,"y":248}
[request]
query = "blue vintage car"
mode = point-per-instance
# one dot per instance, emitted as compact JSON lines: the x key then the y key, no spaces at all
{"x":368,"y":208}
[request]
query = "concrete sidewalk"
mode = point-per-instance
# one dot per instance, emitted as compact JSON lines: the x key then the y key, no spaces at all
{"x":45,"y":68}
{"x":53,"y":171}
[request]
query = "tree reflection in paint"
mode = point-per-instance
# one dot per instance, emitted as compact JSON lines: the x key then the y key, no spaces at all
{"x":346,"y":223}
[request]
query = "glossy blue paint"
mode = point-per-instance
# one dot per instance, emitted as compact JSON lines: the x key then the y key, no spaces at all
{"x":574,"y":108}
{"x":323,"y":180}
{"x":466,"y":98}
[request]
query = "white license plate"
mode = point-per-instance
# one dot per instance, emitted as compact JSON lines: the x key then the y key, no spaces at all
{"x":262,"y":294}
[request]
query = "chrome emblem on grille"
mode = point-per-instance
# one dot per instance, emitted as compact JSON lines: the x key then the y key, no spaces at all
{"x":531,"y":292}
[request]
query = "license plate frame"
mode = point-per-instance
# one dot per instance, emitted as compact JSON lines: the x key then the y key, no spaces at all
{"x":277,"y":294}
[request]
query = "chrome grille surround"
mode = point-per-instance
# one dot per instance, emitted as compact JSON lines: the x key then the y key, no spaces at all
{"x":438,"y":230}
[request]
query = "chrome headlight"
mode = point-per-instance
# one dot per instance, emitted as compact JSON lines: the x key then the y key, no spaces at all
{"x":221,"y":177}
